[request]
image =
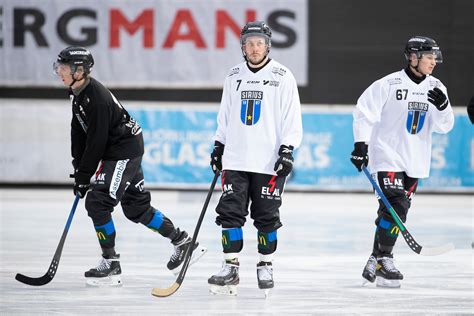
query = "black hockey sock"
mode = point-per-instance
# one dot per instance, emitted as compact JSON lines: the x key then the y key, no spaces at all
{"x":375,"y":247}
{"x":267,"y":242}
{"x":232,"y":240}
{"x":385,"y":251}
{"x":106,"y":234}
{"x":108,"y":252}
{"x":177,"y":235}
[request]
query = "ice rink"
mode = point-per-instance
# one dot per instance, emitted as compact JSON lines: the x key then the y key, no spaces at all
{"x":322,"y":248}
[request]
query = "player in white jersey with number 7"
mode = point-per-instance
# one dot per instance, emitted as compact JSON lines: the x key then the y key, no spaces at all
{"x":393,"y":124}
{"x":259,"y":125}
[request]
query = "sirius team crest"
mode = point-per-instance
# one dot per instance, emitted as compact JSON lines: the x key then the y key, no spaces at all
{"x":251,"y":103}
{"x":416,"y":116}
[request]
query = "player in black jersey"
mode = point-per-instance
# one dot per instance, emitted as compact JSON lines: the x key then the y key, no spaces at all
{"x":107,"y":141}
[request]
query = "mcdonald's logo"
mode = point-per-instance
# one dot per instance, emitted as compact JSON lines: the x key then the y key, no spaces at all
{"x":395,"y":230}
{"x":224,"y":240}
{"x":101,"y":236}
{"x":262,"y":240}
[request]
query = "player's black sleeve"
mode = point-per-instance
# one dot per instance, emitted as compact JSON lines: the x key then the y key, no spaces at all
{"x":97,"y":136}
{"x":78,"y":140}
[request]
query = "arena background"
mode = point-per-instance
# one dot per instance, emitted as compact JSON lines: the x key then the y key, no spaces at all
{"x":166,"y":61}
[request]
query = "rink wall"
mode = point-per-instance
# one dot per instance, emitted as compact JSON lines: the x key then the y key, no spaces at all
{"x":35,"y":147}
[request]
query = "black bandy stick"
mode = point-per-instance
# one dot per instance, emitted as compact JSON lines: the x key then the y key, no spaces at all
{"x":53,"y":267}
{"x":187,"y":258}
{"x":416,"y":247}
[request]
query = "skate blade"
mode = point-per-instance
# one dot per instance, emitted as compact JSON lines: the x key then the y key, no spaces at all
{"x":366,"y":282}
{"x":266,"y":292}
{"x":382,"y":282}
{"x":110,"y":281}
{"x":197,"y":254}
{"x":230,"y":290}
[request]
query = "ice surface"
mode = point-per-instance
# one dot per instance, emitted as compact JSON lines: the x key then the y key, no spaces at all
{"x":322,"y":248}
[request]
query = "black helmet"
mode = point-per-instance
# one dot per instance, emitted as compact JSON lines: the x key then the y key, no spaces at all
{"x":256,"y":28}
{"x":420,"y":45}
{"x":75,"y":56}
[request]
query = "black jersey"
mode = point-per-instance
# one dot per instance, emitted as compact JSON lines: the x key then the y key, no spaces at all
{"x":101,"y":129}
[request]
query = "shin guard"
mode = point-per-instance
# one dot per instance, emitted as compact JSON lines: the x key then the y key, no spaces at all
{"x":387,"y":233}
{"x":160,"y":223}
{"x":232,"y":240}
{"x":267,"y":242}
{"x":106,"y":235}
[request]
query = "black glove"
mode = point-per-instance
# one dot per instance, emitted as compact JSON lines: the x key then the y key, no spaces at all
{"x":81,"y":183}
{"x":284,"y":164}
{"x":360,"y":156}
{"x":438,"y":99}
{"x":75,"y":163}
{"x":216,"y":157}
{"x":470,"y":110}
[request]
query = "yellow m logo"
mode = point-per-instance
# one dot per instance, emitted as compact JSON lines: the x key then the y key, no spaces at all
{"x":224,"y":240}
{"x":100,"y":235}
{"x":261,"y":240}
{"x":395,"y":230}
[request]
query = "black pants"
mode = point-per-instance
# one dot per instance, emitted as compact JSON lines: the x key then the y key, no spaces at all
{"x":118,"y":181}
{"x":122,"y":181}
{"x":239,"y":188}
{"x":399,"y":189}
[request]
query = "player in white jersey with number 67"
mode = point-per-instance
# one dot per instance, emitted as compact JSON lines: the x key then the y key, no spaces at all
{"x":393,"y":124}
{"x":259,"y":125}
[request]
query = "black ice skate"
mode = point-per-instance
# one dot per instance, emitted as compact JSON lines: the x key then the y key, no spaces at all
{"x":265,"y":276}
{"x":107,"y":273}
{"x":180,"y":247}
{"x":225,"y":282}
{"x":387,"y":274}
{"x":369,"y":270}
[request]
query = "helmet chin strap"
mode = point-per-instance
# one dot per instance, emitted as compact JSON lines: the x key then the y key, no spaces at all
{"x":74,"y":80}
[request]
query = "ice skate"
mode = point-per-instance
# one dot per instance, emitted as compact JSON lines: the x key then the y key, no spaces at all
{"x":387,"y":274}
{"x":225,"y":282}
{"x":180,"y":247}
{"x":265,"y":276}
{"x":368,"y":274}
{"x":107,"y":273}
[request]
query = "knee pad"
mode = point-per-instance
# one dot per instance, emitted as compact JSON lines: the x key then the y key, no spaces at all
{"x":232,"y":240}
{"x":135,"y":212}
{"x":267,"y":242}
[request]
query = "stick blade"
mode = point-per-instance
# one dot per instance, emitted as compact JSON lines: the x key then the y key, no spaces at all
{"x":45,"y":279}
{"x":435,"y":251}
{"x":165,"y":292}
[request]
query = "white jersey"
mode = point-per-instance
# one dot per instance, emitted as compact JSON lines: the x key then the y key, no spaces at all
{"x":258,"y":113}
{"x":394,"y":117}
